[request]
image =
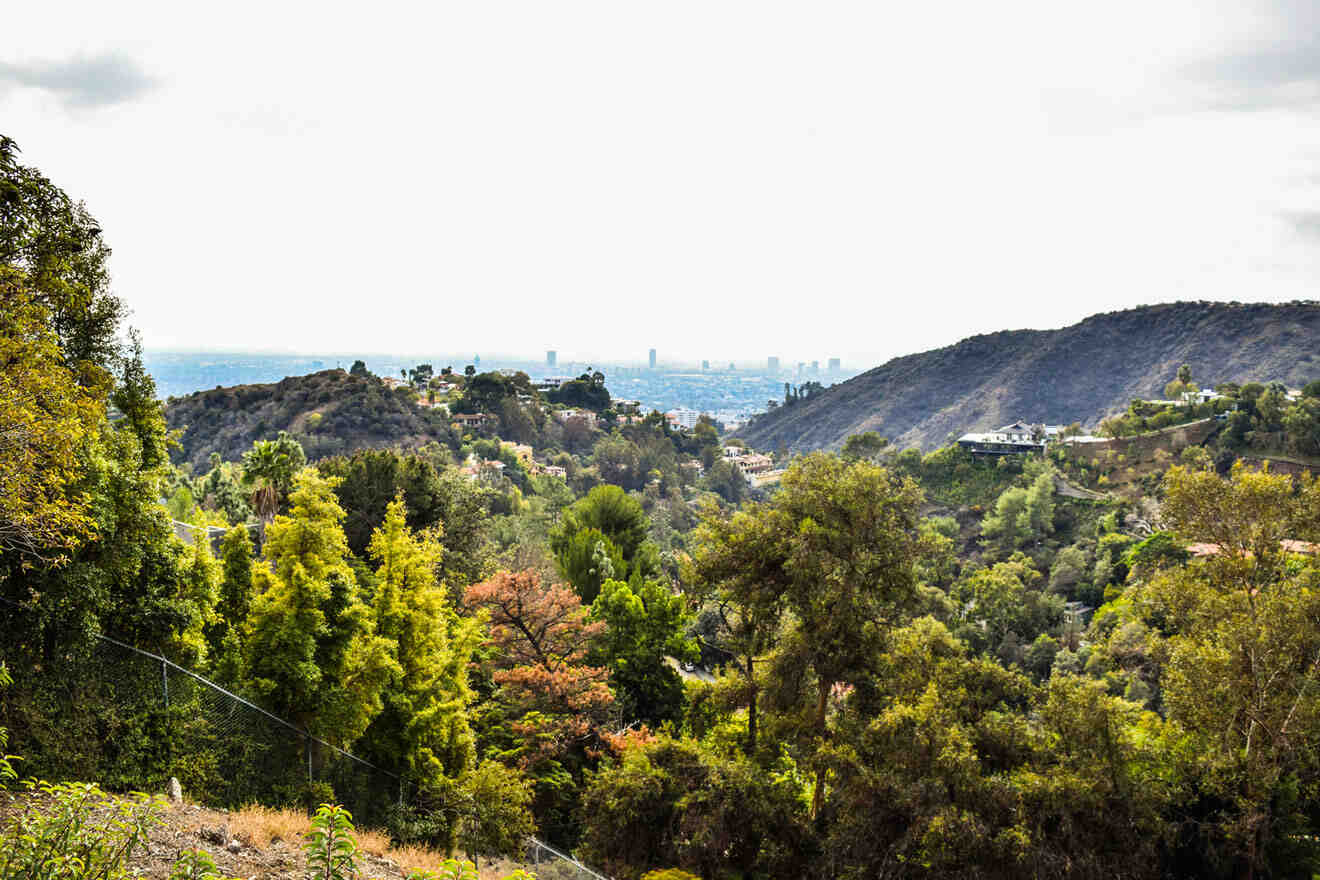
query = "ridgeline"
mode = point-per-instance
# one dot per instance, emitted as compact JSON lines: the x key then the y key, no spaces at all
{"x":1079,"y":373}
{"x":330,"y":412}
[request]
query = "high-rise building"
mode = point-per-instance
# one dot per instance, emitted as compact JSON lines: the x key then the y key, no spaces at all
{"x":835,"y":365}
{"x":652,"y":358}
{"x":551,"y":358}
{"x":731,"y":366}
{"x":772,"y":364}
{"x":815,"y":366}
{"x":705,"y":365}
{"x":476,"y":360}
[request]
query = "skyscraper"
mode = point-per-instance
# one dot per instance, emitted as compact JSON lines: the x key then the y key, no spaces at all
{"x":815,"y":366}
{"x":551,"y":358}
{"x":835,"y":365}
{"x":772,"y":364}
{"x":652,"y":356}
{"x":705,"y":365}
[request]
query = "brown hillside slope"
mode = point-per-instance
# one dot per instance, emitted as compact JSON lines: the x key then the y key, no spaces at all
{"x":330,"y":412}
{"x":1078,"y":373}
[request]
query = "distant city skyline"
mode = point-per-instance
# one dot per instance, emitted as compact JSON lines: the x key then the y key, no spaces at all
{"x":536,"y":360}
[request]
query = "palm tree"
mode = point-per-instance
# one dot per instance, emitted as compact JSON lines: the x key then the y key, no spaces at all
{"x":268,"y":469}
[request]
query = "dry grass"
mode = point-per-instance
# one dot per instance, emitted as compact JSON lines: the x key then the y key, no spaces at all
{"x":258,"y":826}
{"x":415,"y":858}
{"x":373,"y":841}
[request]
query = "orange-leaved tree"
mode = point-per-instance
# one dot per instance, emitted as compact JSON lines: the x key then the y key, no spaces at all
{"x":542,"y":634}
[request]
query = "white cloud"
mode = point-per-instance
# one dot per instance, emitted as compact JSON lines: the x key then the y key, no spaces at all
{"x":81,"y":81}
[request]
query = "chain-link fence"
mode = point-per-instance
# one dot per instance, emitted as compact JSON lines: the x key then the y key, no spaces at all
{"x":548,"y":863}
{"x":133,"y":719}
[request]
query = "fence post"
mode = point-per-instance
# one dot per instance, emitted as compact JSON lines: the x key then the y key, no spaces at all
{"x":165,"y":682}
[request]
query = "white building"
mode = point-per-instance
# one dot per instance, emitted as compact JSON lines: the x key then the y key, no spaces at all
{"x":685,"y":419}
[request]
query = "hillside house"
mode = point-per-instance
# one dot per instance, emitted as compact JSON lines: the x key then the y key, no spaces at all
{"x":567,"y":415}
{"x":472,"y":420}
{"x":1018,"y":438}
{"x":754,"y":463}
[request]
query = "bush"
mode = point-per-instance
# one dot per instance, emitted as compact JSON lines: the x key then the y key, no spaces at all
{"x":75,"y":830}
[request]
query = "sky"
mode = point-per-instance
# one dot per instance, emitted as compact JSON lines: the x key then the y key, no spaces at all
{"x":723,"y":180}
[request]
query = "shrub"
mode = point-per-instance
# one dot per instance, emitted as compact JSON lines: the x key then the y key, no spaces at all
{"x":195,"y":864}
{"x":75,"y":830}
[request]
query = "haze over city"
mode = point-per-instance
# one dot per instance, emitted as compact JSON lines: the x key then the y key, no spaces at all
{"x":721,"y":181}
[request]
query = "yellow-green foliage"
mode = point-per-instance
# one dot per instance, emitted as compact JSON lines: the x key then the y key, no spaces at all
{"x":424,"y":721}
{"x":47,"y":411}
{"x":74,"y":830}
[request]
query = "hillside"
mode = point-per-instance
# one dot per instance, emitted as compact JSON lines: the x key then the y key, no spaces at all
{"x":329,"y":412}
{"x":1079,"y":373}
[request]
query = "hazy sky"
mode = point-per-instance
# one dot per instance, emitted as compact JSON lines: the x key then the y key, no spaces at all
{"x":713,"y":179}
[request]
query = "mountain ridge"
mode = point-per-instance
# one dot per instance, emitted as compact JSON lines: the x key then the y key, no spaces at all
{"x":330,"y":412}
{"x":1082,"y":372}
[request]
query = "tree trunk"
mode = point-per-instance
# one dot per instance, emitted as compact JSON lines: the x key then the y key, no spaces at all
{"x":822,"y":701}
{"x":751,"y":707}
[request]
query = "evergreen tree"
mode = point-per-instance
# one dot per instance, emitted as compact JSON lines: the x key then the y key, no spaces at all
{"x":424,"y":725}
{"x":311,"y":650}
{"x":643,"y":627}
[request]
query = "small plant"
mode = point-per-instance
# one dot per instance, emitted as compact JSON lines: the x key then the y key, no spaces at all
{"x":195,"y":864}
{"x":7,"y":772}
{"x":331,"y":849}
{"x":74,"y":830}
{"x":452,"y":869}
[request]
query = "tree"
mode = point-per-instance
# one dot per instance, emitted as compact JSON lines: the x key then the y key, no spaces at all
{"x":423,"y":725}
{"x":130,"y":580}
{"x":234,"y":603}
{"x":726,"y":480}
{"x":836,"y":546}
{"x":587,"y":560}
{"x":269,"y":468}
{"x":222,"y":490}
{"x":643,"y":627}
{"x":46,"y":419}
{"x":311,"y":648}
{"x":542,"y":636}
{"x":56,"y":247}
{"x":359,"y":368}
{"x":496,"y":820}
{"x":612,"y":511}
{"x":1181,"y":385}
{"x":584,"y":392}
{"x":1021,"y":516}
{"x":371,"y":478}
{"x":1243,"y":668}
{"x":671,"y":802}
{"x":868,"y":445}
{"x":1070,"y":566}
{"x":619,"y":461}
{"x":1004,"y":607}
